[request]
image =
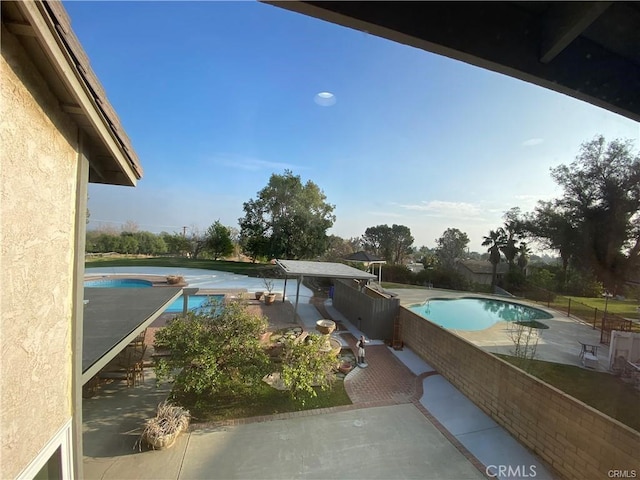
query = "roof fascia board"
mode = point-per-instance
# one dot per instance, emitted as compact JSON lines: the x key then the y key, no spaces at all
{"x":113,"y":352}
{"x":50,"y":42}
{"x":535,"y":76}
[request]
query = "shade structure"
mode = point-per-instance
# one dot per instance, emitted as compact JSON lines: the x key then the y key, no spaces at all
{"x":114,"y":316}
{"x":302,"y":268}
{"x":368,"y":259}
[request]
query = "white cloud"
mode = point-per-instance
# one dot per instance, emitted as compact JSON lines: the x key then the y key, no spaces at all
{"x":437,"y":208}
{"x":532,"y":142}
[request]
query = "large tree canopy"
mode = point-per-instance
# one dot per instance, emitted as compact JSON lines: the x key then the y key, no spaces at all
{"x":391,"y":243}
{"x":218,"y":240}
{"x":597,"y":220}
{"x":286,"y":220}
{"x":451,"y":246}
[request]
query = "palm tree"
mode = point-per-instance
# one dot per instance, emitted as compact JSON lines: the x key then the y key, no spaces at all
{"x":495,"y":241}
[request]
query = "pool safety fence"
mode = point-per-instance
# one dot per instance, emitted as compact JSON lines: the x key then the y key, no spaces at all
{"x":598,"y":318}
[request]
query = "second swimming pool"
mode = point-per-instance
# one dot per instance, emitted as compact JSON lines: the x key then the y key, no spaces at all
{"x":475,"y":313}
{"x":194,"y":302}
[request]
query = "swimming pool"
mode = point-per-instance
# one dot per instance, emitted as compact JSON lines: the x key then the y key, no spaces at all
{"x":118,"y":283}
{"x":475,"y":313}
{"x":194,"y":302}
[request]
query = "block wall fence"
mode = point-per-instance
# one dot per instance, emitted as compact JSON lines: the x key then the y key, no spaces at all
{"x":575,"y":439}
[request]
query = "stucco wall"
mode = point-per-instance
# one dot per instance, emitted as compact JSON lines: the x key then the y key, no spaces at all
{"x":38,"y":174}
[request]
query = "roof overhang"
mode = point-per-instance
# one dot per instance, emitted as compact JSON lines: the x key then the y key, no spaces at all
{"x":588,"y":50}
{"x":113,"y":317}
{"x":303,"y":268}
{"x":364,"y":257}
{"x":44,"y":31}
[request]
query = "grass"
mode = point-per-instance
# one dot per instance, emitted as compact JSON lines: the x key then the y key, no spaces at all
{"x":264,"y":401}
{"x":602,"y":391}
{"x":242,"y":268}
{"x":625,"y":308}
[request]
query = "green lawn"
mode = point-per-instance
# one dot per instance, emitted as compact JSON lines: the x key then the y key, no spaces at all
{"x":243,"y":268}
{"x":265,"y":401}
{"x":626,"y":308}
{"x":603,"y":391}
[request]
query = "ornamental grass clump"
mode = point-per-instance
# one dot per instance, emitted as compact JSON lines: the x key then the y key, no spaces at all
{"x":162,"y":430}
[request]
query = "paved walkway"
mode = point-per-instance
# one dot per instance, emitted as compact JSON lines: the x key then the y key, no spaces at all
{"x":395,"y":377}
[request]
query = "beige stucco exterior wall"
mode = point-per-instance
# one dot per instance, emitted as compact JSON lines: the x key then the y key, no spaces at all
{"x":38,"y":172}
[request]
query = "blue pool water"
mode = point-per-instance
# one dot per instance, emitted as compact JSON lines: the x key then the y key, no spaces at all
{"x":118,"y":283}
{"x":195,"y":302}
{"x":475,"y":313}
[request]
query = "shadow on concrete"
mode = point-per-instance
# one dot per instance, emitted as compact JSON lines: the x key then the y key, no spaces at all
{"x":113,"y":419}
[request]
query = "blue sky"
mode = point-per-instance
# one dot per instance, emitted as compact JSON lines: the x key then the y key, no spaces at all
{"x":217,"y":96}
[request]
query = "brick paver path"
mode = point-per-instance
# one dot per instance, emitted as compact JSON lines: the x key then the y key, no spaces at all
{"x":385,"y":381}
{"x":386,"y":378}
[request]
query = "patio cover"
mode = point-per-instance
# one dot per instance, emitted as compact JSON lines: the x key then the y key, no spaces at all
{"x":113,"y":317}
{"x":367,"y":259}
{"x":303,"y":268}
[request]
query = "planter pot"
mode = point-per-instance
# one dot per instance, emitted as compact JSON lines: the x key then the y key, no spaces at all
{"x":259,"y":295}
{"x":345,"y":367}
{"x":269,"y":298}
{"x":174,"y":279}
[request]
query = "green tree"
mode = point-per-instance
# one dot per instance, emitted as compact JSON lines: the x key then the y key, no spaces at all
{"x":513,"y":228}
{"x":524,"y":253}
{"x":377,"y":241}
{"x":338,"y":249}
{"x":557,"y":229}
{"x":128,"y":243}
{"x":495,"y":241}
{"x":176,"y":243}
{"x":602,"y":192}
{"x":150,"y":244}
{"x":214,"y":350}
{"x":451,"y":246}
{"x":218,"y":240}
{"x":401,"y":243}
{"x":306,"y":366}
{"x":286,"y":220}
{"x":391,"y":243}
{"x":543,"y":278}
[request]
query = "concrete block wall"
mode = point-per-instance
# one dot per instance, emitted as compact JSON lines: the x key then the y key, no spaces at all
{"x":577,"y":440}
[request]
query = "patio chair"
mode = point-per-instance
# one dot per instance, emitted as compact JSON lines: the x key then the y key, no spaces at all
{"x":138,"y":342}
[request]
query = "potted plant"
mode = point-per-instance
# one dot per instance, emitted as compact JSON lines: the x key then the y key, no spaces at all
{"x":269,"y":297}
{"x":259,"y":294}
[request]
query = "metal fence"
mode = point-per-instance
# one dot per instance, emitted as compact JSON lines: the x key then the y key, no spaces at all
{"x":598,"y":319}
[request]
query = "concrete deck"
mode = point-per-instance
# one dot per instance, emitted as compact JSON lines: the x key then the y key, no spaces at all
{"x":406,"y":422}
{"x":559,"y":343}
